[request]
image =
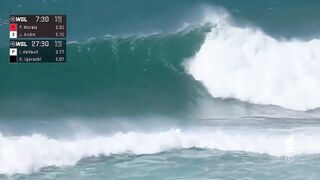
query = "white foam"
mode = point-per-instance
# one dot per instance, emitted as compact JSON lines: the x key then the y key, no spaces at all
{"x":246,"y":64}
{"x":27,"y":154}
{"x":73,"y":42}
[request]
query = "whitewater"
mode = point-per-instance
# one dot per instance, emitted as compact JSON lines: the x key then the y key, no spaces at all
{"x":27,"y":154}
{"x":246,"y":64}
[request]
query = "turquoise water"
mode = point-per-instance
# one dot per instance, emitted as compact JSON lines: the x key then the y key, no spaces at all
{"x":185,"y":164}
{"x":166,"y":90}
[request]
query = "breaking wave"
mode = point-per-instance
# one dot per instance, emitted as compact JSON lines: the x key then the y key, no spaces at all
{"x":246,"y":64}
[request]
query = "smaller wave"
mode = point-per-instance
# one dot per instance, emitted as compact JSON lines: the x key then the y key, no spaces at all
{"x":27,"y":154}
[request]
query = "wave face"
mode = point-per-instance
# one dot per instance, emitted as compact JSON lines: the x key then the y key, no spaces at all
{"x":109,"y":76}
{"x":27,"y":154}
{"x":246,"y":64}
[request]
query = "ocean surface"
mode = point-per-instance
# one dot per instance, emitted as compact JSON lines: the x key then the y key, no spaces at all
{"x":170,"y":89}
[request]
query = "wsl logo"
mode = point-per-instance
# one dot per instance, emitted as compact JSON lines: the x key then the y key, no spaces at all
{"x":14,"y":19}
{"x":18,"y":44}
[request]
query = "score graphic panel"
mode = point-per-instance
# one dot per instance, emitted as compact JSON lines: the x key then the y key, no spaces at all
{"x":34,"y":51}
{"x":37,"y":38}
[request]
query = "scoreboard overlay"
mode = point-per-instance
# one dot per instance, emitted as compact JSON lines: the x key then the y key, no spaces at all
{"x":37,"y":38}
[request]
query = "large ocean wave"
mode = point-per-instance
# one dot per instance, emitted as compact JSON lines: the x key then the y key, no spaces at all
{"x":114,"y":76}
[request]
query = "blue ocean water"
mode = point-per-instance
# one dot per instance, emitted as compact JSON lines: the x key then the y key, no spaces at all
{"x":166,"y":90}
